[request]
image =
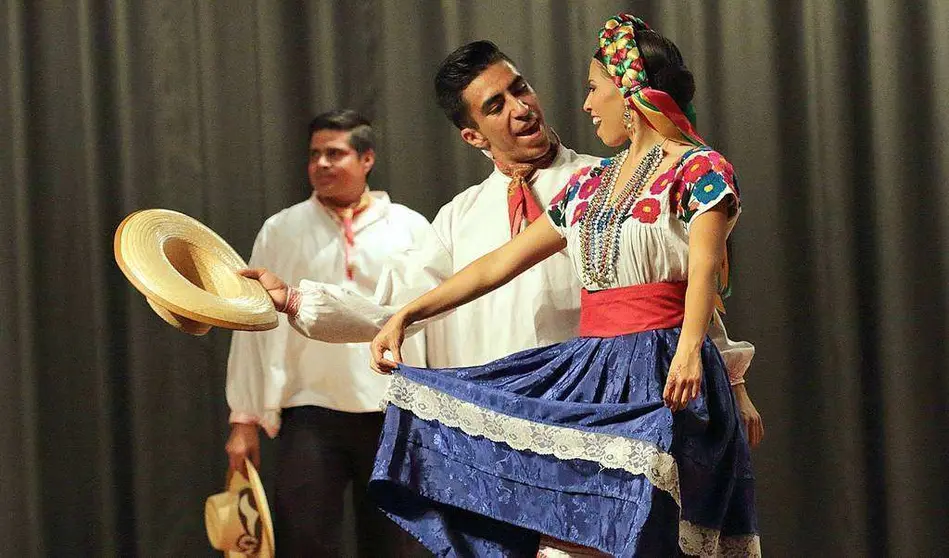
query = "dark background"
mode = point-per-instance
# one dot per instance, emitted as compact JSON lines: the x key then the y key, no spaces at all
{"x":112,"y":424}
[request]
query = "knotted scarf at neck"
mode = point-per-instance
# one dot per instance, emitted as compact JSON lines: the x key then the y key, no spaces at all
{"x":345,"y":215}
{"x":522,"y":205}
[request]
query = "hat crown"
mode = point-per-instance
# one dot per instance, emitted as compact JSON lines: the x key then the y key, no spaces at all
{"x":233,"y":521}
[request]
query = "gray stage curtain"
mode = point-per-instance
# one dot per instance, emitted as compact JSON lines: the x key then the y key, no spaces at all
{"x":112,"y":424}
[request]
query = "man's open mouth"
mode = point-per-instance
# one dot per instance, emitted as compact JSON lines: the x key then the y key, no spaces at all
{"x":530,"y":130}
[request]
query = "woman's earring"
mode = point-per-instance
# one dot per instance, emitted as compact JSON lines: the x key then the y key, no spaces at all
{"x":628,"y":120}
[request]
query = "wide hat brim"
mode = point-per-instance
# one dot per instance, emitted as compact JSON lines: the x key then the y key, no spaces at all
{"x":189,"y":275}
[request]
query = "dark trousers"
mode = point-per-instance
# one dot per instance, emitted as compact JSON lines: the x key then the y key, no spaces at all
{"x":319,"y":453}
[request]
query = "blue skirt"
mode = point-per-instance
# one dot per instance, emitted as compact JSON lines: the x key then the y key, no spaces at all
{"x":572,"y":441}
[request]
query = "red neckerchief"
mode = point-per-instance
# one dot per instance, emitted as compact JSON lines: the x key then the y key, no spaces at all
{"x":521,"y":203}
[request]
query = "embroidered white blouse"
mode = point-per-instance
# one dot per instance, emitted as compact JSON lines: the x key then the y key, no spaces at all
{"x":654,"y":237}
{"x":271,"y":370}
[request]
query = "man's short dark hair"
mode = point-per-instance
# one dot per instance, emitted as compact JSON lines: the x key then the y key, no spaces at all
{"x":361,"y":137}
{"x":457,"y":71}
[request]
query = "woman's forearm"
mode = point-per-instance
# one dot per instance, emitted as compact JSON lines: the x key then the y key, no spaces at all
{"x":706,"y":253}
{"x":699,"y":303}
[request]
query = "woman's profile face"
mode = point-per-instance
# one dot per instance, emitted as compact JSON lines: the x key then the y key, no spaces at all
{"x":605,"y":104}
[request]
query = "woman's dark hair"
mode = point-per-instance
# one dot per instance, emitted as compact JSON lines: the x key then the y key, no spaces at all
{"x":457,"y":71}
{"x":665,"y":69}
{"x":361,"y":137}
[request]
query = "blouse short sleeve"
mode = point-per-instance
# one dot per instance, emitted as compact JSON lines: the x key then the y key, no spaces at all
{"x":707,"y":180}
{"x":562,"y":205}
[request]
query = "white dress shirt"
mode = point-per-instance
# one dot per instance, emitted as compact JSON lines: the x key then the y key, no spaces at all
{"x":271,"y":370}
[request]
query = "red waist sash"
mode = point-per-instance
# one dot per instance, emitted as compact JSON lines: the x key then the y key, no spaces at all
{"x":613,"y":312}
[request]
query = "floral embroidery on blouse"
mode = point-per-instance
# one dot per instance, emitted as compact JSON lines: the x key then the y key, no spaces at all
{"x":665,"y":180}
{"x":558,"y":206}
{"x":695,"y":167}
{"x":647,"y":210}
{"x":590,"y":185}
{"x":698,"y":182}
{"x":707,"y":179}
{"x":579,"y":211}
{"x":581,"y":186}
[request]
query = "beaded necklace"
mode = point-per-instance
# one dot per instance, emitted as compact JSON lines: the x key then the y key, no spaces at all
{"x":599,"y":230}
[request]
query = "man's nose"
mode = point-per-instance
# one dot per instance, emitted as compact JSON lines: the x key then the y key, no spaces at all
{"x":521,"y":109}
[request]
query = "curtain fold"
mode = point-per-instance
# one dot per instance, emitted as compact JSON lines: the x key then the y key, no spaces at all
{"x":112,"y":426}
{"x":19,"y":429}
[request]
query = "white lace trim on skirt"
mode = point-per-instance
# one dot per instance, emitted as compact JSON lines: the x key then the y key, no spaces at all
{"x":615,"y":452}
{"x":696,"y":540}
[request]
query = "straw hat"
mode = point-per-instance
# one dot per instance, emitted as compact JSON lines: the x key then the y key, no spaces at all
{"x":188,"y":274}
{"x":238,"y":520}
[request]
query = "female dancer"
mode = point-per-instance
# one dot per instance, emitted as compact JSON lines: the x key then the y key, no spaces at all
{"x":625,"y":440}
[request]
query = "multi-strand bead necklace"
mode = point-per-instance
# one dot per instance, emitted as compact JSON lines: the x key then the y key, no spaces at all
{"x":600,"y":228}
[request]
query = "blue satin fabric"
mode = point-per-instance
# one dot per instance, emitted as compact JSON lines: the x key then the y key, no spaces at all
{"x":464,"y":495}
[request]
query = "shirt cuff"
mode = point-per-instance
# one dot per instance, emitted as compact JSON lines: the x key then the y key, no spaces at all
{"x":737,"y":359}
{"x":270,"y":422}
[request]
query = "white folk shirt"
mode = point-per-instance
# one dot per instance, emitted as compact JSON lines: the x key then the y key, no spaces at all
{"x":271,"y":370}
{"x":539,"y":307}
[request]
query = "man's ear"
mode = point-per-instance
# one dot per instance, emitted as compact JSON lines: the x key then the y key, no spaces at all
{"x":475,"y":138}
{"x":367,"y":160}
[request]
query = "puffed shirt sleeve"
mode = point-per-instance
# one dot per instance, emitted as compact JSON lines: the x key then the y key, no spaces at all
{"x":255,"y":380}
{"x":337,"y":314}
{"x":736,"y":354}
